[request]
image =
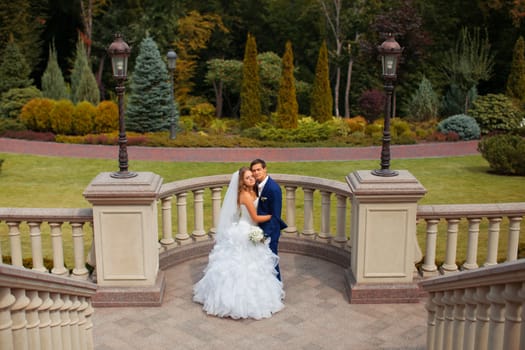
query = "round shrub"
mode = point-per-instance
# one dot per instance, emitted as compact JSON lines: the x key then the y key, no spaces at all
{"x":62,"y":117}
{"x":36,"y":114}
{"x":106,"y":117}
{"x":496,"y":113}
{"x":83,"y":116}
{"x":465,"y":126}
{"x":505,"y":153}
{"x":203,"y":114}
{"x":13,"y":100}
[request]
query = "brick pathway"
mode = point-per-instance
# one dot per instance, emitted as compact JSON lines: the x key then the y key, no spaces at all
{"x":423,"y":150}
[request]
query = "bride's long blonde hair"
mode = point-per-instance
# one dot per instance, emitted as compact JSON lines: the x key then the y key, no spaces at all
{"x":241,"y":187}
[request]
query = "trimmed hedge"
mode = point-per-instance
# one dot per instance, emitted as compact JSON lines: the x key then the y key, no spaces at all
{"x":505,"y":154}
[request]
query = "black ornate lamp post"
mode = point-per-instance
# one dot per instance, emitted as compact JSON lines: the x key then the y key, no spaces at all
{"x":172,"y":62}
{"x":119,"y":52}
{"x":390,"y":52}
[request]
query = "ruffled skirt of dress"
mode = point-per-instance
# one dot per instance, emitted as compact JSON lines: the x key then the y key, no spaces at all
{"x":240,"y":279}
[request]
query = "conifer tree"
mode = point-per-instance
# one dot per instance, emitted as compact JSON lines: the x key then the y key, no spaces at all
{"x":149,"y":105}
{"x":287,"y":107}
{"x":321,"y":102}
{"x":516,"y":80}
{"x":14,"y":70}
{"x":424,"y":103}
{"x":53,"y":83}
{"x":84,"y":86}
{"x":251,"y":86}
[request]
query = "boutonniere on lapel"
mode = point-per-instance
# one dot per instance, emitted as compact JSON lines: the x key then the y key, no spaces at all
{"x":263,"y":199}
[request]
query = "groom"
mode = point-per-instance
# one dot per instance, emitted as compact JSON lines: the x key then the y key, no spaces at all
{"x":270,"y":202}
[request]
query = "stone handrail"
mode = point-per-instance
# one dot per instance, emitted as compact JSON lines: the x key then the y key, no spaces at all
{"x":479,"y":309}
{"x":55,"y":218}
{"x":473,"y":214}
{"x":42,"y":311}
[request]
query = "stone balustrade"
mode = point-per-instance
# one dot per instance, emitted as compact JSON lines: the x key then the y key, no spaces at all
{"x":477,"y":310}
{"x":43,"y":311}
{"x":472,"y":214}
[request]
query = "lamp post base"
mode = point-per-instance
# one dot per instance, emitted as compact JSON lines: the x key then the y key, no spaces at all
{"x":384,"y":172}
{"x":123,"y":174}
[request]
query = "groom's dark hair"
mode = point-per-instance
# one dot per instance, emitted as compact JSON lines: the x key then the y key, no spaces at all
{"x":258,"y":161}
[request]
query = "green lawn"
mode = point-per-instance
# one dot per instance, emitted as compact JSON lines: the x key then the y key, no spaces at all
{"x":54,"y":182}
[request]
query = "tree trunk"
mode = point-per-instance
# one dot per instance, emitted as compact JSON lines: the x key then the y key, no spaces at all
{"x":348,"y":85}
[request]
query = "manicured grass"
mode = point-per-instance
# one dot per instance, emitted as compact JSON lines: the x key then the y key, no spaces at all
{"x":54,"y":182}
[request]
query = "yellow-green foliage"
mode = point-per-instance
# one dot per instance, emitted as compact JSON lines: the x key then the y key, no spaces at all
{"x":106,"y":117}
{"x":250,"y":112}
{"x":36,"y":113}
{"x":83,"y":117}
{"x":218,"y":126}
{"x":62,"y":117}
{"x":202,"y":114}
{"x":287,"y":107}
{"x":357,"y":123}
{"x":321,"y":100}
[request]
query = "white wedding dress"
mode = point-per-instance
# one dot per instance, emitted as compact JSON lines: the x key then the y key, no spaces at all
{"x":240,"y":279}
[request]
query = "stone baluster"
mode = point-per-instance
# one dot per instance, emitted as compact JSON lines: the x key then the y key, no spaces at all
{"x":470,"y":318}
{"x":458,"y":327}
{"x":452,"y":242}
{"x":482,"y":318}
{"x":472,"y":245}
{"x":439,"y":333}
{"x":431,"y":321}
{"x":513,"y":320}
{"x":73,"y":316}
{"x":497,"y":316}
{"x":521,"y":295}
{"x":167,"y":231}
{"x":324,"y":234}
{"x":82,"y":322}
{"x":18,"y":315}
{"x":308,"y":228}
{"x":492,"y":249}
{"x":36,"y":246}
{"x":216,"y":196}
{"x":79,"y":270}
{"x":6,"y":302}
{"x":340,"y":226}
{"x":89,"y":326}
{"x":58,"y":249}
{"x":15,"y":243}
{"x":290,"y":210}
{"x":429,"y":267}
{"x":56,"y":321}
{"x":448,"y":333}
{"x":33,"y":321}
{"x":514,"y":238}
{"x":65,"y":325}
{"x":198,"y":210}
{"x":182,"y":235}
{"x":46,"y":342}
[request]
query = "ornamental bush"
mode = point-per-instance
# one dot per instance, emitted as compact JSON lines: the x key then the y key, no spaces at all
{"x":465,"y":126}
{"x":62,"y":117}
{"x":106,"y":117}
{"x":505,"y":153}
{"x":496,"y":113}
{"x":13,"y":100}
{"x":36,"y":114}
{"x":84,"y":116}
{"x":203,"y":114}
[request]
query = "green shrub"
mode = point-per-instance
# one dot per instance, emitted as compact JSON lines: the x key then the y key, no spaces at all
{"x":465,"y":126}
{"x":505,"y":153}
{"x":496,"y":113}
{"x":218,"y":126}
{"x":186,"y":124}
{"x":84,"y":116}
{"x":62,"y":117}
{"x":36,"y":114}
{"x":203,"y":114}
{"x":8,"y":124}
{"x":106,"y":117}
{"x":13,"y":100}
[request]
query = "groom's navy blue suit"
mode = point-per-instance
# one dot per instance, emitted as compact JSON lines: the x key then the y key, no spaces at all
{"x":270,"y":202}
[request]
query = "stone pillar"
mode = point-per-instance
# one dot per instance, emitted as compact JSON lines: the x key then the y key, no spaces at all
{"x":383,"y":236}
{"x":126,"y":239}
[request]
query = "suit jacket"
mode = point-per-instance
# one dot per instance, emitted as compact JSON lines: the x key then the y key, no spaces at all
{"x":271,"y":202}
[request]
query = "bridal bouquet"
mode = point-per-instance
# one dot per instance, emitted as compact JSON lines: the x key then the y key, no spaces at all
{"x":256,"y":235}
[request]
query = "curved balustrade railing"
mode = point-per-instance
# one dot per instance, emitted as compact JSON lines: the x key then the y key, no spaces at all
{"x":477,"y":310}
{"x":43,"y":311}
{"x":56,"y":219}
{"x":472,"y":215}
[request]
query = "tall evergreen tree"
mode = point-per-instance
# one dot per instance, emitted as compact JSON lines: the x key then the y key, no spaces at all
{"x":424,"y":103}
{"x":84,"y":86}
{"x":321,"y":102}
{"x":14,"y":70}
{"x":287,"y":108}
{"x":516,"y":80}
{"x":53,"y":83}
{"x":149,"y":106}
{"x":251,"y":86}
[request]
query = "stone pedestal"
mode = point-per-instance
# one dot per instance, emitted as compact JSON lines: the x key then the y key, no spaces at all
{"x":126,"y":238}
{"x":383,"y":237}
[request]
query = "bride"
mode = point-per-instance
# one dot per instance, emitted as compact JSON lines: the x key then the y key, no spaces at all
{"x":240,"y":280}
